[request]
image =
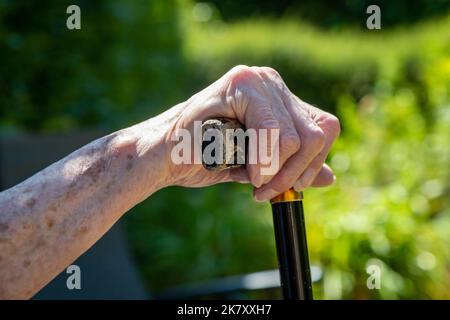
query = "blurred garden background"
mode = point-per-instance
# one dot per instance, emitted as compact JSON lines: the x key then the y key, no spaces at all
{"x":389,"y":87}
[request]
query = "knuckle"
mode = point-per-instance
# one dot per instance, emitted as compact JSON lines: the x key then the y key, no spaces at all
{"x":333,"y":124}
{"x":316,"y":138}
{"x":271,"y":71}
{"x":239,"y":67}
{"x":242,"y":72}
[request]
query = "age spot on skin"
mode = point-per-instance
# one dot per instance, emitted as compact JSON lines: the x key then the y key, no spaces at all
{"x":96,"y":169}
{"x":72,"y":191}
{"x":30,"y":202}
{"x":40,"y":243}
{"x":26,"y":263}
{"x":50,"y":222}
{"x":129,"y":166}
{"x":27,"y":225}
{"x":81,"y":231}
{"x":110,"y":184}
{"x":92,"y":151}
{"x":129,"y":162}
{"x":3,"y":227}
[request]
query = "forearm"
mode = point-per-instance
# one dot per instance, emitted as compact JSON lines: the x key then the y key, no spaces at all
{"x":50,"y":219}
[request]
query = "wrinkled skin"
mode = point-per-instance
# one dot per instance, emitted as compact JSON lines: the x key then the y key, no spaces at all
{"x":259,"y":99}
{"x":50,"y":219}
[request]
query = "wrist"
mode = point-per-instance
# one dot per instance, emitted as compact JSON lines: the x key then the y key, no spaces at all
{"x":152,"y":144}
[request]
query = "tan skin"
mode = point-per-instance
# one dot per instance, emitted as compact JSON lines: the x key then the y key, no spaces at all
{"x":50,"y":219}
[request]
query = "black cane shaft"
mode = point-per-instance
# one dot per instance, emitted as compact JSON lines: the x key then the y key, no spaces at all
{"x":289,"y":224}
{"x":292,"y":250}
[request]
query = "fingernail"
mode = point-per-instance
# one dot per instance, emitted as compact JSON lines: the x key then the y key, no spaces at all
{"x":258,"y":181}
{"x":306,"y":179}
{"x":258,"y":199}
{"x":265,"y":195}
{"x":334,"y":179}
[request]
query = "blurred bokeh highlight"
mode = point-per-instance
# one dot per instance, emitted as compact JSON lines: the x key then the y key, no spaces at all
{"x":390,"y":88}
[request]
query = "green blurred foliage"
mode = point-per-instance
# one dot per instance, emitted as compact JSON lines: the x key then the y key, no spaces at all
{"x":390,"y":89}
{"x":123,"y":64}
{"x":333,"y":13}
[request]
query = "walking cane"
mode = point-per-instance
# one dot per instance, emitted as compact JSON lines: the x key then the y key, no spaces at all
{"x":287,"y":211}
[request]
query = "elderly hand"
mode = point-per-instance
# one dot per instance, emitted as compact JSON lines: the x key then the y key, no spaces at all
{"x":258,"y":98}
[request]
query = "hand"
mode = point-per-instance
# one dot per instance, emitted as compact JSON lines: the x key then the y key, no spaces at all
{"x":258,"y":98}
